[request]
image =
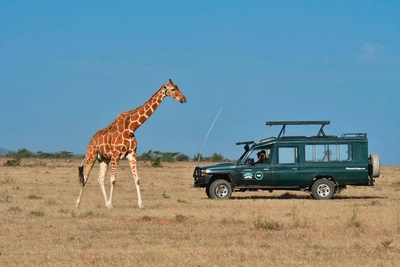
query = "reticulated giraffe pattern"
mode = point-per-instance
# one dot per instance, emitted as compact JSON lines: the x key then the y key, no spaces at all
{"x":117,"y":141}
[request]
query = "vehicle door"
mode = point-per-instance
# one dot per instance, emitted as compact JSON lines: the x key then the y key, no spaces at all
{"x":258,"y":174}
{"x":287,"y":167}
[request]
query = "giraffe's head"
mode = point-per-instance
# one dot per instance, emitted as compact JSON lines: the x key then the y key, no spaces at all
{"x":173,"y":91}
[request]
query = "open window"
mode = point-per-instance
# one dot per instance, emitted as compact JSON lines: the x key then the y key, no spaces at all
{"x":327,"y":152}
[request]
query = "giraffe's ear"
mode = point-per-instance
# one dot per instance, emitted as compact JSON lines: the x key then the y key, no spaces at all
{"x":171,"y":82}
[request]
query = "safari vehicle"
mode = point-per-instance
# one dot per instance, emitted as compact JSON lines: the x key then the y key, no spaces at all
{"x":321,"y":165}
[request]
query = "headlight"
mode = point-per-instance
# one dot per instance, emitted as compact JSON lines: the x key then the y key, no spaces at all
{"x":205,"y":172}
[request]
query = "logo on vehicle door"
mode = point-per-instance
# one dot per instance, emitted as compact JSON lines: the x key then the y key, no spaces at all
{"x":258,"y":175}
{"x":248,"y":176}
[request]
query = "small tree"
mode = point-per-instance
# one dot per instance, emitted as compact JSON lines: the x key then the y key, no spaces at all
{"x":216,"y":157}
{"x":153,"y":157}
{"x":168,"y":156}
{"x":182,"y":157}
{"x":146,"y":156}
{"x":25,"y":153}
{"x":197,"y":157}
{"x":44,"y":155}
{"x":63,"y":155}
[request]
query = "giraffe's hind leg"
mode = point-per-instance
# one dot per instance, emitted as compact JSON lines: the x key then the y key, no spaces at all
{"x":132,"y":163}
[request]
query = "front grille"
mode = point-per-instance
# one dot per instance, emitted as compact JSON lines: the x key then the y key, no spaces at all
{"x":197,"y":172}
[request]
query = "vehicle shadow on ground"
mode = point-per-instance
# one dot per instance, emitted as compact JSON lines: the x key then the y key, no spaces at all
{"x":305,"y":196}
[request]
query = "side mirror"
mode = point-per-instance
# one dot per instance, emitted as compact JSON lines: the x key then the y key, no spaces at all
{"x":251,"y":161}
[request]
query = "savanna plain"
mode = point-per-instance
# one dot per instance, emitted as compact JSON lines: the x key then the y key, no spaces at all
{"x":180,"y":226}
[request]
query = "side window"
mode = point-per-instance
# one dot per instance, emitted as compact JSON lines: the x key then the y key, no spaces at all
{"x":287,"y":155}
{"x":327,"y":152}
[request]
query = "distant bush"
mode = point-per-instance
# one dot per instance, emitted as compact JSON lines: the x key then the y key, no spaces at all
{"x":156,"y":157}
{"x":16,"y":161}
{"x":153,"y":157}
{"x":156,"y":162}
{"x":215,"y":157}
{"x":25,"y":153}
{"x":182,"y":157}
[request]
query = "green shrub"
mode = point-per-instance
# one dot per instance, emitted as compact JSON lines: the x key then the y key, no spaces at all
{"x":16,"y":161}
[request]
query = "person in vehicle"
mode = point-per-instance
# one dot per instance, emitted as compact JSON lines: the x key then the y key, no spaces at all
{"x":262,"y":157}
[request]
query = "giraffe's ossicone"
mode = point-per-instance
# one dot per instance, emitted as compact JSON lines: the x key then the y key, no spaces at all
{"x":118,"y":141}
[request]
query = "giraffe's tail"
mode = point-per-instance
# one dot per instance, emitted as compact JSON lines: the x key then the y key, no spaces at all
{"x":81,"y":178}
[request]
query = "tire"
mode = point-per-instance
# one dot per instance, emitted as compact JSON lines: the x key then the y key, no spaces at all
{"x":323,"y":189}
{"x":208,"y":191}
{"x":374,"y":170}
{"x":220,"y":189}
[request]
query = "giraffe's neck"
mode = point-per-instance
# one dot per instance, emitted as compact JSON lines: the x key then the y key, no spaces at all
{"x":142,"y":113}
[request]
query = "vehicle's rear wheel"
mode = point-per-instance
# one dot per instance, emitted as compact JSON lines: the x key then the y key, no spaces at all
{"x":220,"y":189}
{"x":323,"y":189}
{"x":374,"y":162}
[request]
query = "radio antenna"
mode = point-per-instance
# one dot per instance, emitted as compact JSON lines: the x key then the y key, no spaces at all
{"x":201,"y":151}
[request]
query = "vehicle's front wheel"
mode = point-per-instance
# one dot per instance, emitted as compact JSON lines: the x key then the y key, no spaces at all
{"x":323,"y":189}
{"x":208,"y":191}
{"x":220,"y":189}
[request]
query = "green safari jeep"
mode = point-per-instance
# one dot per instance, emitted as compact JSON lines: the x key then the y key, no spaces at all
{"x":321,"y":164}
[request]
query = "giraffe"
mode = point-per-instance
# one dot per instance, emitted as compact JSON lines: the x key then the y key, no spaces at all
{"x":117,"y":141}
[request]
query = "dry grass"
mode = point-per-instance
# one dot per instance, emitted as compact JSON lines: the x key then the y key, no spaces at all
{"x":180,"y":226}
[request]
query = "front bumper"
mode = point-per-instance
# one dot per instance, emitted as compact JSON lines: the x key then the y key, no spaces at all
{"x":199,"y":180}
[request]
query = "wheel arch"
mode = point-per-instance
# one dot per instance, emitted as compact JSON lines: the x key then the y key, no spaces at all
{"x":328,"y":177}
{"x":223,"y":176}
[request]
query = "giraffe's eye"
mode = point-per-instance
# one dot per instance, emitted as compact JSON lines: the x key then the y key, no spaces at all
{"x":172,"y":89}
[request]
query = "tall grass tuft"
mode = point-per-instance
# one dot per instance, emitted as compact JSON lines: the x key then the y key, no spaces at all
{"x":15,"y":209}
{"x":8,"y":180}
{"x":260,"y":222}
{"x":37,"y":213}
{"x":33,"y":196}
{"x":354,"y":222}
{"x":387,"y":243}
{"x":180,"y":217}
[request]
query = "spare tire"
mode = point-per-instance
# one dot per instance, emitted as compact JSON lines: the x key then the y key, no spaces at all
{"x":374,"y":165}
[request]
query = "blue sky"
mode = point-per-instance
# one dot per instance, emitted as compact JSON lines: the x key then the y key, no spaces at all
{"x":68,"y":68}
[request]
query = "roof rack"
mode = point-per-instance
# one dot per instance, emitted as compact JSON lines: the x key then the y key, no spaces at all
{"x":361,"y":135}
{"x":245,"y":143}
{"x":284,"y":123}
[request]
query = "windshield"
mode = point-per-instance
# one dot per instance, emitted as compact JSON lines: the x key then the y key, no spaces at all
{"x":244,"y":157}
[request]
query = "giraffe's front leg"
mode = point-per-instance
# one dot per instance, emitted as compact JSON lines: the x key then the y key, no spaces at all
{"x":132,"y":163}
{"x":102,"y":175}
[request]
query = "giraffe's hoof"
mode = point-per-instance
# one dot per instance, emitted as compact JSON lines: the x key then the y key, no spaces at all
{"x":109,"y":206}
